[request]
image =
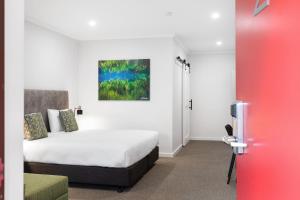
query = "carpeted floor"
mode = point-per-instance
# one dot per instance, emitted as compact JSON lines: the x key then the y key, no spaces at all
{"x":198,"y":172}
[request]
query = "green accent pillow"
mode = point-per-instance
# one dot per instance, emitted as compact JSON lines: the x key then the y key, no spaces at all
{"x":36,"y":127}
{"x":68,"y":120}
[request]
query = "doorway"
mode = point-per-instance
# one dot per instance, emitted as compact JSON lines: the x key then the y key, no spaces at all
{"x":182,"y":103}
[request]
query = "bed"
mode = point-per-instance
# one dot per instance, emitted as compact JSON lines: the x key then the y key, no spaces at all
{"x":116,"y":158}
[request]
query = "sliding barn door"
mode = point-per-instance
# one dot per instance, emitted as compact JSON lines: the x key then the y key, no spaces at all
{"x":268,"y":80}
{"x":1,"y":99}
{"x":187,"y":105}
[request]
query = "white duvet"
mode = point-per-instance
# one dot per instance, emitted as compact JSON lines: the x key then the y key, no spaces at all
{"x":118,"y":148}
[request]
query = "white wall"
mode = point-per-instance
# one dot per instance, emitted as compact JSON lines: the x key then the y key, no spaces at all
{"x":51,"y":61}
{"x":213,"y":91}
{"x":155,"y":114}
{"x":14,"y":84}
{"x":54,"y":61}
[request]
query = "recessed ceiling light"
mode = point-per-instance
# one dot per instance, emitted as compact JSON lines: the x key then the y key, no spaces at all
{"x":92,"y":23}
{"x":219,"y":43}
{"x":215,"y":15}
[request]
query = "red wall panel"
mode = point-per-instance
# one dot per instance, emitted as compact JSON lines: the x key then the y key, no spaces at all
{"x":268,"y":79}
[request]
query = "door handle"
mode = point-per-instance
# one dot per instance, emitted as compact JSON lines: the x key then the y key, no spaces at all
{"x":238,"y":147}
{"x":191,"y":104}
{"x":238,"y":144}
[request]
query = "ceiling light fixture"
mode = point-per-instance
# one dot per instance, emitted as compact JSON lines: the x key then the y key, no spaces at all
{"x":219,"y":43}
{"x":92,"y":23}
{"x":215,"y":15}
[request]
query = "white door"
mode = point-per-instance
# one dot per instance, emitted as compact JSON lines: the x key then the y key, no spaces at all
{"x":178,"y":105}
{"x":187,"y":104}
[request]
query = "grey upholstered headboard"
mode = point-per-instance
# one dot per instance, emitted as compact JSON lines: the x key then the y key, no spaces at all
{"x":41,"y":100}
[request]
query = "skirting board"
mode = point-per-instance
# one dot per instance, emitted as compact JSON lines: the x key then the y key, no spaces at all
{"x":171,"y":155}
{"x":206,"y":138}
{"x":186,"y":140}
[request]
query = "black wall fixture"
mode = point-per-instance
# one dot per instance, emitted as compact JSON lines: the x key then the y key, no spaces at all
{"x":184,"y":63}
{"x":189,"y":66}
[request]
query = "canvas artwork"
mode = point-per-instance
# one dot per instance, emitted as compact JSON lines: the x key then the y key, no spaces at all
{"x":124,"y":79}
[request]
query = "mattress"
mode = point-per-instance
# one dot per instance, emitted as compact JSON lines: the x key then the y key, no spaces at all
{"x":114,"y":148}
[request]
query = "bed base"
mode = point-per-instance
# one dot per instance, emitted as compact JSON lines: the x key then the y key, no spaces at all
{"x":121,"y":178}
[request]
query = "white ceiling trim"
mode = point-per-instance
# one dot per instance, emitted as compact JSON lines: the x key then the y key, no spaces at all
{"x":49,"y":27}
{"x":132,"y":38}
{"x":181,"y":44}
{"x":217,"y":52}
{"x":171,"y":36}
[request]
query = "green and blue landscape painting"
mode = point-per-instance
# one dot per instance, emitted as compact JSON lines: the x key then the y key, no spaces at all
{"x":124,"y":79}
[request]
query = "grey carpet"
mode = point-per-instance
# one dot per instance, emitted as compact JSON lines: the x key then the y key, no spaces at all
{"x":198,"y":172}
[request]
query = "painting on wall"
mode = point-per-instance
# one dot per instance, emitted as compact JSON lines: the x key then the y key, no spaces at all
{"x":124,"y":79}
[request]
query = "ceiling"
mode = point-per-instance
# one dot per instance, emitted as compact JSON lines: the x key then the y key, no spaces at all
{"x":189,"y":20}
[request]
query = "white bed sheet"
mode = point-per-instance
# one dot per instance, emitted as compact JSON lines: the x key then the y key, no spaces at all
{"x":115,"y":148}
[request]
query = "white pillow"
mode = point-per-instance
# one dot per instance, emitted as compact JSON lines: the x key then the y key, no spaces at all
{"x":54,"y":121}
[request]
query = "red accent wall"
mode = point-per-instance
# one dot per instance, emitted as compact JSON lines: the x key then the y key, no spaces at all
{"x":268,"y":79}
